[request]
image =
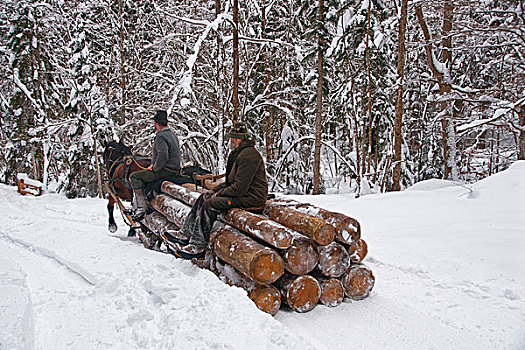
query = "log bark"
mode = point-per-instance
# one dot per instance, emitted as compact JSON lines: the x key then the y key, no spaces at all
{"x":160,"y":225}
{"x":192,"y":188}
{"x":260,"y":263}
{"x":255,"y":225}
{"x":302,"y":256}
{"x":347,"y":229}
{"x":319,"y":102}
{"x":358,"y":282}
{"x":300,"y":293}
{"x":334,"y":260}
{"x":172,"y":209}
{"x":310,"y":226}
{"x":258,"y":226}
{"x":266,"y":297}
{"x":398,"y":120}
{"x":180,"y":193}
{"x":357,"y":251}
{"x":332,"y":291}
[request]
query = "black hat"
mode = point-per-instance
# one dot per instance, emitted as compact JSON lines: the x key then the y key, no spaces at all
{"x":238,"y":131}
{"x":161,"y":117}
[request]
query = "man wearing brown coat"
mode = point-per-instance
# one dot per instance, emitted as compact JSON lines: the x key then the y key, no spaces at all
{"x":245,"y":187}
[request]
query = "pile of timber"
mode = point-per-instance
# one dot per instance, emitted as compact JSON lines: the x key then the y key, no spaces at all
{"x":293,"y":253}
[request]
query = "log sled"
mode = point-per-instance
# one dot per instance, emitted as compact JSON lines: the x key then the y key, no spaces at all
{"x":293,"y":256}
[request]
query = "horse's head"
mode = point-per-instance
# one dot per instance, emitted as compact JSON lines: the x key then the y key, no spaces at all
{"x":114,"y":152}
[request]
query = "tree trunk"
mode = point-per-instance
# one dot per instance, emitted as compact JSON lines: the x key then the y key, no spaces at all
{"x":252,"y":259}
{"x":369,"y":89}
{"x":310,"y":226}
{"x":220,"y":95}
{"x":521,"y":123}
{"x":333,"y":260}
{"x":160,"y":225}
{"x":266,"y":297}
{"x":235,"y":87}
{"x":358,"y":282}
{"x":347,"y":229}
{"x":444,"y":81}
{"x":398,"y":121}
{"x":260,"y":227}
{"x":319,"y":110}
{"x":172,"y":209}
{"x":357,"y":251}
{"x":122,"y":63}
{"x":267,"y":77}
{"x":332,"y":291}
{"x":300,"y":293}
{"x":302,"y":256}
{"x":180,"y":193}
{"x":299,"y":252}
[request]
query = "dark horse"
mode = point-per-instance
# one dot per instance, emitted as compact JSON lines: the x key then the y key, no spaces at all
{"x":120,"y":163}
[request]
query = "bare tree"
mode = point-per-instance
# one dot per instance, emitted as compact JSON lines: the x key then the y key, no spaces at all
{"x":442,"y":73}
{"x":319,"y":109}
{"x":398,"y":121}
{"x":235,"y":87}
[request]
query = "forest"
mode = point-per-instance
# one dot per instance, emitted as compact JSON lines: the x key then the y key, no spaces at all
{"x":363,"y":96}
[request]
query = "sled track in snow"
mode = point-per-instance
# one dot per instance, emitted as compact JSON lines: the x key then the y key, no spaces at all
{"x":72,"y":267}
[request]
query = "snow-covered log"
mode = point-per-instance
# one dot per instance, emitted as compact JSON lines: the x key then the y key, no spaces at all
{"x":358,"y":282}
{"x":180,"y":193}
{"x":347,"y":229}
{"x":311,"y":226}
{"x":357,"y":250}
{"x":333,"y":260}
{"x":302,"y":256}
{"x":261,"y":227}
{"x":300,"y":293}
{"x":332,"y":291}
{"x":265,"y":296}
{"x":172,"y":209}
{"x":260,"y":263}
{"x":159,"y":225}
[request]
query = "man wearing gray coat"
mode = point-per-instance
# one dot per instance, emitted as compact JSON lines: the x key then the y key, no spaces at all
{"x":165,"y":163}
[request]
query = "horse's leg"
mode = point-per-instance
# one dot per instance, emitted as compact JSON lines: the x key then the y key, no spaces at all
{"x":112,"y":226}
{"x":131,"y":231}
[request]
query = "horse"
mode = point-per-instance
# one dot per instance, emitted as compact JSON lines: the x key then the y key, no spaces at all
{"x":120,"y":163}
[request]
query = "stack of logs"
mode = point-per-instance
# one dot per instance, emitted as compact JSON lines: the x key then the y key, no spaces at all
{"x":294,"y":252}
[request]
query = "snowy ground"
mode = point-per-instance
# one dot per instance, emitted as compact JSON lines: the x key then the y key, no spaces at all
{"x":449,"y":262}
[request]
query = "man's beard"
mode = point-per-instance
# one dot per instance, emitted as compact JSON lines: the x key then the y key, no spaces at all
{"x":232,"y":146}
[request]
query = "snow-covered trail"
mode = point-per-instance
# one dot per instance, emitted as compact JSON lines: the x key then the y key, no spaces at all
{"x":449,"y":263}
{"x":87,"y":289}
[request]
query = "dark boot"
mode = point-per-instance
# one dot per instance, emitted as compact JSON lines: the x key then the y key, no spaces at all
{"x":191,"y":251}
{"x":141,"y":203}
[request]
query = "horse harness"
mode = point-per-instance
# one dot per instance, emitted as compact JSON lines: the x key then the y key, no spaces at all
{"x":126,"y":160}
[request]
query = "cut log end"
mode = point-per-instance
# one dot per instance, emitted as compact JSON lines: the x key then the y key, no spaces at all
{"x":348,"y":230}
{"x":266,"y":298}
{"x":302,"y":256}
{"x":325,"y":235}
{"x":267,"y":267}
{"x":333,"y":260}
{"x":332,"y":292}
{"x":358,"y":282}
{"x":302,"y":293}
{"x":357,"y":251}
